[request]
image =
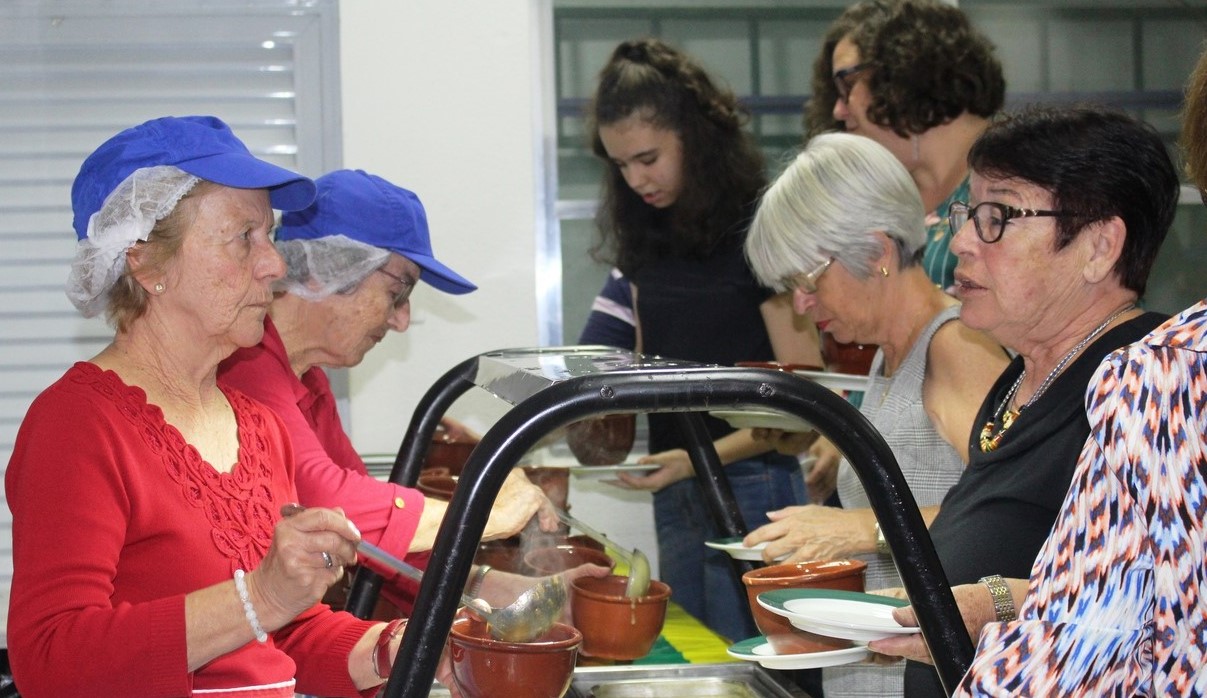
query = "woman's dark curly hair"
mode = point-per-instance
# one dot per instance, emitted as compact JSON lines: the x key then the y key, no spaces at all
{"x":722,"y":166}
{"x":929,"y":65}
{"x":1194,"y":126}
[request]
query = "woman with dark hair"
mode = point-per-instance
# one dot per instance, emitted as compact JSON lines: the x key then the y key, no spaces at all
{"x":1069,"y":208}
{"x":681,"y":183}
{"x":1130,"y":534}
{"x":915,"y":76}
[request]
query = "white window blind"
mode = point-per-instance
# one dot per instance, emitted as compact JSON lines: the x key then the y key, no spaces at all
{"x":74,"y":73}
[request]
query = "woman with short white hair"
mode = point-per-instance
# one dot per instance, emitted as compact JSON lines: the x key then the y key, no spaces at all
{"x":843,"y":229}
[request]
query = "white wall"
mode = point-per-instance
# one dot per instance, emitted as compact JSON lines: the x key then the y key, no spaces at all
{"x":458,"y":124}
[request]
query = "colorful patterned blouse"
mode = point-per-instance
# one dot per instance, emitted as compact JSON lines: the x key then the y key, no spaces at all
{"x":1115,"y":605}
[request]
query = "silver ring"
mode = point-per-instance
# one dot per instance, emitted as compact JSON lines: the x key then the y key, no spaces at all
{"x":327,"y":561}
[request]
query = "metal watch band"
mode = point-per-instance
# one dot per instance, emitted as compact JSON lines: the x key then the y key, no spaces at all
{"x":881,"y":543}
{"x":1003,"y":602}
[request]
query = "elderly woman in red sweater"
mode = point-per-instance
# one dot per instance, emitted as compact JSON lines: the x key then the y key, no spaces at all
{"x":174,"y":572}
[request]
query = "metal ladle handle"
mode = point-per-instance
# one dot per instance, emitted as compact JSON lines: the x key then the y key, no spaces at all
{"x":595,"y":535}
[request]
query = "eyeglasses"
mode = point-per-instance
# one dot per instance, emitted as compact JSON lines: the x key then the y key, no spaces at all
{"x":989,"y":217}
{"x":400,"y":298}
{"x":808,"y":282}
{"x":845,"y":79}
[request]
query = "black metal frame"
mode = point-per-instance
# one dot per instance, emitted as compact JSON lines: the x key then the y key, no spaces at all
{"x":684,"y":391}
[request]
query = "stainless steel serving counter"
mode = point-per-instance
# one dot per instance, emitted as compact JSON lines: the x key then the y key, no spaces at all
{"x":738,"y":680}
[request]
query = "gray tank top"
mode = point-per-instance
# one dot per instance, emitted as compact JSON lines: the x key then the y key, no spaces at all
{"x":894,"y":407}
{"x":931,"y":467}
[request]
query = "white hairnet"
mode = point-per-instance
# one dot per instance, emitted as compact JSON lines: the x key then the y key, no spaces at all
{"x":127,"y":216}
{"x":319,"y":267}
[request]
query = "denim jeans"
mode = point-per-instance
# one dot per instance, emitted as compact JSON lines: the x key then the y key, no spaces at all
{"x":703,"y":580}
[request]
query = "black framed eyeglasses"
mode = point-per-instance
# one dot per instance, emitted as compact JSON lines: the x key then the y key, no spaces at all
{"x":844,"y":80}
{"x":807,"y":282}
{"x":400,"y":298}
{"x":990,"y":217}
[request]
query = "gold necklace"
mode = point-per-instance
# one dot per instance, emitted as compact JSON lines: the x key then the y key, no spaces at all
{"x":991,"y":436}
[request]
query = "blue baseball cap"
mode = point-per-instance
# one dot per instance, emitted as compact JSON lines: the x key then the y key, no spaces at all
{"x":368,"y":209}
{"x":202,"y":146}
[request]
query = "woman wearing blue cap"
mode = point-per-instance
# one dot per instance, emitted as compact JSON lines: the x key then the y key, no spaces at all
{"x":150,"y":556}
{"x":352,"y":259}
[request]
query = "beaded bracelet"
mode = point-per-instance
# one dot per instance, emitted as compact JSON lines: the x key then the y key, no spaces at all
{"x":249,"y":611}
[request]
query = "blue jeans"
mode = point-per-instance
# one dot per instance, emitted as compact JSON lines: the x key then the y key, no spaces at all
{"x":703,"y":580}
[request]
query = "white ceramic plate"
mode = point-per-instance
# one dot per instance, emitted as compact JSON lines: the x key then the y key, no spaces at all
{"x":759,"y":649}
{"x":835,"y":381}
{"x":755,"y":419}
{"x":734,"y":547}
{"x":843,"y":614}
{"x":608,"y":472}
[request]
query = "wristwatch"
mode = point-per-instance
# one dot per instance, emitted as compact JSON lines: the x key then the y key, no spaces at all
{"x":881,"y":543}
{"x":1003,"y":602}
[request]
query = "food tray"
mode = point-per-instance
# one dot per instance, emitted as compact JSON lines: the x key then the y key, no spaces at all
{"x":730,"y":680}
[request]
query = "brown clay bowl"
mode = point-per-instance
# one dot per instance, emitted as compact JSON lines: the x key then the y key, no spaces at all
{"x":604,"y":440}
{"x":445,"y":451}
{"x":851,"y":358}
{"x":613,"y":625}
{"x":488,"y":668}
{"x":437,"y":486}
{"x":559,"y":558}
{"x":846,"y":575}
{"x":504,"y":554}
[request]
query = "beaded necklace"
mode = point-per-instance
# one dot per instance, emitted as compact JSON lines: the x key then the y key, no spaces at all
{"x":991,"y":435}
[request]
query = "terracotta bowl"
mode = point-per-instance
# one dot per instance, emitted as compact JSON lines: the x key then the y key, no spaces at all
{"x":604,"y":440}
{"x":613,"y":625}
{"x":846,"y":575}
{"x":488,"y":668}
{"x":559,"y":558}
{"x":437,"y":486}
{"x":445,"y":451}
{"x":504,"y":554}
{"x":854,"y":359}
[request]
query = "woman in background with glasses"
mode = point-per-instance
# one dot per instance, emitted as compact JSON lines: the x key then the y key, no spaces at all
{"x":1068,"y":210}
{"x":842,"y":230}
{"x":916,"y":77}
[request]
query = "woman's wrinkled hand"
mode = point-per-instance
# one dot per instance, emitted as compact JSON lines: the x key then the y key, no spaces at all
{"x":673,"y":466}
{"x":517,"y":502}
{"x":456,"y":431}
{"x":976,"y":608}
{"x":814,"y":532}
{"x":822,"y":478}
{"x":294,"y":574}
{"x":789,"y":443}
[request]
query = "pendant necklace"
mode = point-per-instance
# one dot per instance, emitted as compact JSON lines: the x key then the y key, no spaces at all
{"x":991,"y":434}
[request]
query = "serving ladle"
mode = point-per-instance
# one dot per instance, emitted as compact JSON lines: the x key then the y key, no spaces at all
{"x":526,"y":618}
{"x":639,"y":564}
